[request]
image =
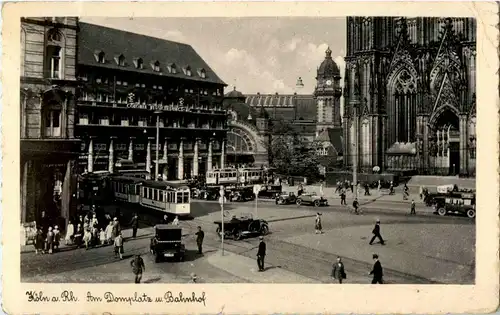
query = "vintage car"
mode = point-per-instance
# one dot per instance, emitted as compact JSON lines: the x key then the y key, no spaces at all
{"x":167,"y":243}
{"x":311,"y":198}
{"x":270,"y":191}
{"x":244,"y":226}
{"x":286,"y":198}
{"x":460,"y":203}
{"x":241,"y":194}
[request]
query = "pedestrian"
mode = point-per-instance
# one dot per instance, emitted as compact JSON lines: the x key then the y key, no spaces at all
{"x":405,"y":192}
{"x":377,"y":271}
{"x":300,"y":189}
{"x":78,"y":235}
{"x":391,"y":188}
{"x":176,"y":220}
{"x":379,"y":185}
{"x":102,"y":237}
{"x":376,"y":233}
{"x":57,"y":238}
{"x":134,"y":223}
{"x":164,"y":220}
{"x":109,"y":232}
{"x":412,"y":211}
{"x":116,"y":227}
{"x":70,"y":232}
{"x":355,"y":205}
{"x":367,"y":190}
{"x":119,"y":245}
{"x":193,"y":279}
{"x":49,"y":241}
{"x":317,"y":226}
{"x":342,"y":197}
{"x":338,"y":271}
{"x":421,"y":192}
{"x":87,"y":235}
{"x":138,"y":267}
{"x":261,"y":254}
{"x":200,"y":235}
{"x":39,"y":241}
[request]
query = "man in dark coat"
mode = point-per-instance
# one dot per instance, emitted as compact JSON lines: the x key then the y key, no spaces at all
{"x":338,"y":271}
{"x":377,"y":271}
{"x":355,"y":205}
{"x":412,"y":211}
{"x":342,"y":197}
{"x":137,"y":267}
{"x":376,"y":233}
{"x":261,"y":254}
{"x":200,"y":235}
{"x":134,"y":223}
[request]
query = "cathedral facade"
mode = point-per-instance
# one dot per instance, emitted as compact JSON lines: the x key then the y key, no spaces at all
{"x":410,"y":102}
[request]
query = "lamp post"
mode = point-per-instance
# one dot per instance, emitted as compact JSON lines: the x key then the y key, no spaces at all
{"x":157,"y":113}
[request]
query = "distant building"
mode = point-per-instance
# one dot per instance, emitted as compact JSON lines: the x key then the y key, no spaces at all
{"x":413,"y":83}
{"x":310,"y":115}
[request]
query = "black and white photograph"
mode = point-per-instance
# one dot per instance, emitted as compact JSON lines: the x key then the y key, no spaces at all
{"x":319,"y":150}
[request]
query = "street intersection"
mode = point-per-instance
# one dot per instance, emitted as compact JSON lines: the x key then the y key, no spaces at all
{"x":420,"y":249}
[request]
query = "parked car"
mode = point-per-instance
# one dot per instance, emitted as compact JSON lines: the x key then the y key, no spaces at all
{"x":311,"y":198}
{"x":167,"y":243}
{"x":286,"y":198}
{"x":462,"y":203}
{"x":245,"y":226}
{"x":270,"y":191}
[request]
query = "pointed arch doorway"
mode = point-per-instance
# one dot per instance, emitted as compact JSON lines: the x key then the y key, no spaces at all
{"x":445,"y":141}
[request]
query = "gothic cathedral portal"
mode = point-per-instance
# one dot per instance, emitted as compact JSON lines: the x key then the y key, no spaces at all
{"x":410,"y":89}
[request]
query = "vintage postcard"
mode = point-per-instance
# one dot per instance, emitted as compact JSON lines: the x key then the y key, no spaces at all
{"x":240,"y":158}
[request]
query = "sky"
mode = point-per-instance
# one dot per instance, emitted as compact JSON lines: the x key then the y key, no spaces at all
{"x":264,"y":55}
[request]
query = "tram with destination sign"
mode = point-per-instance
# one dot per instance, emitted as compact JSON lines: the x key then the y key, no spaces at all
{"x":233,"y":176}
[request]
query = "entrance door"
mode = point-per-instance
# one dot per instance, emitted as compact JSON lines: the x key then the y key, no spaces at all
{"x":454,"y":158}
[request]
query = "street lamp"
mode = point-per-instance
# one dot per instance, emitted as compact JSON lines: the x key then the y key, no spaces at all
{"x":157,"y":113}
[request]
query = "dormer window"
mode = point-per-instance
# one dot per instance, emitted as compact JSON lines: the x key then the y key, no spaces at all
{"x":172,"y":68}
{"x":187,"y":71}
{"x":120,"y":60}
{"x":139,"y":64}
{"x":100,"y":57}
{"x":156,"y":66}
{"x":202,"y":73}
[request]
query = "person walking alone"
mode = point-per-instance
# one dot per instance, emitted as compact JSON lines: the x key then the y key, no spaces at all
{"x":261,"y":254}
{"x":412,"y":211}
{"x":138,"y":267}
{"x":377,"y":271}
{"x":200,"y":235}
{"x":338,"y":271}
{"x":317,"y":226}
{"x":134,"y":223}
{"x":376,"y":233}
{"x":342,"y":197}
{"x":119,"y":245}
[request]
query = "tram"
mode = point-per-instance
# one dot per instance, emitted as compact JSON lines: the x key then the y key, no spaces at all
{"x":232,"y":176}
{"x":162,"y":196}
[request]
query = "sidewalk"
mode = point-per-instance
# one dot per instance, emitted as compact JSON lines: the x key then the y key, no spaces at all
{"x":246,"y":268}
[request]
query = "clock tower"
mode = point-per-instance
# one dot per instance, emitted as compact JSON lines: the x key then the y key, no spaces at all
{"x":327,"y":94}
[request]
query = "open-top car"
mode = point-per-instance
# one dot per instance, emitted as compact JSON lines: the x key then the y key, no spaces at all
{"x":286,"y":198}
{"x":311,"y":198}
{"x":242,"y":194}
{"x":243,"y":226}
{"x":167,"y":243}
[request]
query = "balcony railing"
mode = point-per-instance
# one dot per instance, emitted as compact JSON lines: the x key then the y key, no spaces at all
{"x":154,"y":107}
{"x":120,"y":125}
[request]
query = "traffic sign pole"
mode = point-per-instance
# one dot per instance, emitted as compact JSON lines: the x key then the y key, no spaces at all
{"x":256,"y":190}
{"x":222,"y":195}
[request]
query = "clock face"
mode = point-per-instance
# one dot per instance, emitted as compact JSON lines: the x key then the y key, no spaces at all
{"x":328,"y":82}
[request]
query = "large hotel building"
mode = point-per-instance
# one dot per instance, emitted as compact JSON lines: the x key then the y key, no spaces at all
{"x":93,"y":98}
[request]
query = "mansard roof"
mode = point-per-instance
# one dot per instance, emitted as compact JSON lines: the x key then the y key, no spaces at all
{"x":282,"y":106}
{"x":132,"y":46}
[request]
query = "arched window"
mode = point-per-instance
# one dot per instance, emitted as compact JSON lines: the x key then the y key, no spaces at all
{"x":403,"y":112}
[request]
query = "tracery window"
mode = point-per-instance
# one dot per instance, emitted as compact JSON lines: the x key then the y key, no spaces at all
{"x":404,"y":109}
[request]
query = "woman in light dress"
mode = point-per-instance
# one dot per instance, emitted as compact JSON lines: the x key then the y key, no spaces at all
{"x":87,"y":235}
{"x":70,"y":231}
{"x":317,"y":225}
{"x":109,"y":232}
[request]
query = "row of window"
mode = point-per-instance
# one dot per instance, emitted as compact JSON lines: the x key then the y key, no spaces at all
{"x":106,"y":81}
{"x":83,"y":119}
{"x":142,"y":146}
{"x":155,"y":65}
